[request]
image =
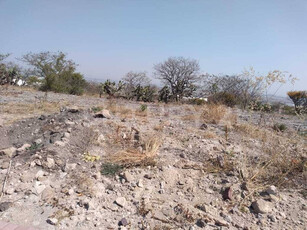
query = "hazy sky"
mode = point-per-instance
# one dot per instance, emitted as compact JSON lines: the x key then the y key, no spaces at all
{"x":109,"y":38}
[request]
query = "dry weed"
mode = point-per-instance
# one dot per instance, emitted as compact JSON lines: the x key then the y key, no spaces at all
{"x":190,"y":117}
{"x":209,"y":135}
{"x":254,"y":131}
{"x":214,"y":113}
{"x":136,"y":156}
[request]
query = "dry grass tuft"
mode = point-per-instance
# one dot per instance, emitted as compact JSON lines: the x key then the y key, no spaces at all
{"x":209,"y":135}
{"x":214,"y":113}
{"x":15,"y":111}
{"x":190,"y":117}
{"x":135,"y":156}
{"x":254,"y":131}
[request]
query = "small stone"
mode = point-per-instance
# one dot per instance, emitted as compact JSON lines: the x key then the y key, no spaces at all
{"x":8,"y":152}
{"x":48,"y":194}
{"x":50,"y":162}
{"x":40,"y":173}
{"x":128,"y":176}
{"x":52,"y":221}
{"x":272,"y":218}
{"x":5,"y":205}
{"x":73,"y":109}
{"x":38,"y":142}
{"x":10,"y":191}
{"x":273,"y":198}
{"x":23,"y":148}
{"x":106,"y":113}
{"x":148,"y":176}
{"x":66,"y":135}
{"x":71,"y":166}
{"x":70,"y":191}
{"x":60,"y":143}
{"x":210,"y":191}
{"x":103,"y":114}
{"x":204,"y":126}
{"x":39,"y":188}
{"x":123,"y":222}
{"x":140,"y":183}
{"x":201,"y":223}
{"x":227,"y":193}
{"x":5,"y":165}
{"x":101,"y":138}
{"x":262,"y":206}
{"x":162,"y":184}
{"x":121,"y":201}
{"x":271,"y":190}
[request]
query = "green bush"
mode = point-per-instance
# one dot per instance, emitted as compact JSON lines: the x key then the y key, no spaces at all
{"x":66,"y":82}
{"x":279,"y":127}
{"x":143,"y":108}
{"x":97,"y":109}
{"x":109,"y":169}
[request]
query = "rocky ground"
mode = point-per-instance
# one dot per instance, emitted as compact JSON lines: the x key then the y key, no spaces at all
{"x":70,"y":162}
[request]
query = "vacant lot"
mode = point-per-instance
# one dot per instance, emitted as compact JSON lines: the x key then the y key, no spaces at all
{"x":72,"y":162}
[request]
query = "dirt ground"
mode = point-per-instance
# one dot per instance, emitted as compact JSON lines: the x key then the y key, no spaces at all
{"x":79,"y":162}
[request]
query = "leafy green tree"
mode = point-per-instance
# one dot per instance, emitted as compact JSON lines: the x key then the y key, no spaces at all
{"x":58,"y":73}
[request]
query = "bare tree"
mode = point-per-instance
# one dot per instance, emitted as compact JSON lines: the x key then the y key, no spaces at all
{"x":180,"y":74}
{"x":132,"y":80}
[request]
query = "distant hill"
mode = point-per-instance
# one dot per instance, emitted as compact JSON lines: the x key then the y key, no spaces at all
{"x":279,"y":99}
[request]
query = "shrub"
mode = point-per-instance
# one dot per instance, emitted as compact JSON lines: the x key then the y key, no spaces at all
{"x":259,"y":106}
{"x":58,"y":72}
{"x":213,"y":113}
{"x":196,"y":101}
{"x":224,"y":98}
{"x":109,"y":169}
{"x":279,"y":127}
{"x":299,"y":99}
{"x":33,"y":81}
{"x":143,"y":108}
{"x":144,"y":93}
{"x":111,"y":88}
{"x":289,"y":110}
{"x":164,"y":94}
{"x":97,"y":109}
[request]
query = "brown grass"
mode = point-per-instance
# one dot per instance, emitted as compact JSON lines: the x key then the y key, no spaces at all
{"x":133,"y":156}
{"x":214,"y":113}
{"x":15,"y":111}
{"x":209,"y":135}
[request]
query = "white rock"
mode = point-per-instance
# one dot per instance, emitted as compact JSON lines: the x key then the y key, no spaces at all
{"x":39,"y":188}
{"x":121,"y":201}
{"x":140,"y":183}
{"x":52,"y":221}
{"x":60,"y":143}
{"x":128,"y":176}
{"x":271,"y":190}
{"x":40,"y":173}
{"x":106,"y":113}
{"x":24,"y":147}
{"x":50,"y":162}
{"x":66,"y":135}
{"x":9,"y":151}
{"x":262,"y":206}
